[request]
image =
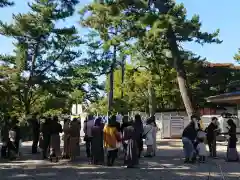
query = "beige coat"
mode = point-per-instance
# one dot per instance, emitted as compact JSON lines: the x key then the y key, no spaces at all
{"x":75,"y":128}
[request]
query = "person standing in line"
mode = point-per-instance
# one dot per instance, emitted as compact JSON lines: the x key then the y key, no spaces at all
{"x":97,"y":142}
{"x":148,"y":135}
{"x":66,"y":139}
{"x":87,"y":129}
{"x":46,"y":137}
{"x":35,"y":132}
{"x":232,"y":153}
{"x":212,"y":131}
{"x":138,"y":126}
{"x":124,"y":124}
{"x":131,"y":136}
{"x":155,"y":129}
{"x":111,"y":138}
{"x":5,"y":137}
{"x":14,"y":137}
{"x":56,"y":128}
{"x":74,"y":138}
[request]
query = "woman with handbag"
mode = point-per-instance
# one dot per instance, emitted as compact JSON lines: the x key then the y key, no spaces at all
{"x":148,"y":136}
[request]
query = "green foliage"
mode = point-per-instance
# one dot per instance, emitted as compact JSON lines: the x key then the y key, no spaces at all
{"x":47,"y":72}
{"x":205,"y":81}
{"x":237,"y":56}
{"x":44,"y":56}
{"x":4,"y":3}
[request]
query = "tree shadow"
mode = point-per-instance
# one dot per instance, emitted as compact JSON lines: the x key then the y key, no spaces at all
{"x":170,"y":143}
{"x":163,"y":166}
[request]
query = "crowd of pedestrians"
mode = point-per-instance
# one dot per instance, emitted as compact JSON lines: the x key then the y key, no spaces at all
{"x":194,"y":138}
{"x":104,"y":141}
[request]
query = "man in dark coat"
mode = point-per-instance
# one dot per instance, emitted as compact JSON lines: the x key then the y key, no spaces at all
{"x":4,"y":136}
{"x":188,"y":137}
{"x":46,"y":135}
{"x":212,"y":131}
{"x":35,"y":133}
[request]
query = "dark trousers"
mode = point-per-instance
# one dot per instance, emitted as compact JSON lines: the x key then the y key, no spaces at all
{"x":16,"y":144}
{"x":4,"y":151}
{"x":35,"y":143}
{"x":140,"y":147}
{"x":212,"y":148}
{"x":111,"y":156}
{"x":13,"y":147}
{"x":202,"y":159}
{"x":46,"y":145}
{"x":88,"y":146}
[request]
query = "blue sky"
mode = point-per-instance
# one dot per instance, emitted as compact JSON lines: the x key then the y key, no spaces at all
{"x":213,"y":14}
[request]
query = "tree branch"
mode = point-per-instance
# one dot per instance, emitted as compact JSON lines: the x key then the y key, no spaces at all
{"x":53,"y":62}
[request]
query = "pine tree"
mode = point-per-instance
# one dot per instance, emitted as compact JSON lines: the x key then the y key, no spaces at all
{"x":43,"y":52}
{"x":4,"y":3}
{"x":176,"y":29}
{"x":169,"y":27}
{"x":115,"y":28}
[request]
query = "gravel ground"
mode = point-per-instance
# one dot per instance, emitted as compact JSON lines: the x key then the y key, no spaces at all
{"x":167,"y":165}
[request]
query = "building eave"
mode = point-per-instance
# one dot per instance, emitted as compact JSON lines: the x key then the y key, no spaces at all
{"x":232,"y":98}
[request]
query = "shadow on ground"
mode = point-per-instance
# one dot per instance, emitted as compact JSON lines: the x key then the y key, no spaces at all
{"x":167,"y":165}
{"x":170,"y":143}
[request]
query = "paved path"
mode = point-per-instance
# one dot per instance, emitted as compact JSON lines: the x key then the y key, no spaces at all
{"x":166,"y":166}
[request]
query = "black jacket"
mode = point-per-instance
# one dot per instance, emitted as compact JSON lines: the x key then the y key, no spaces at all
{"x":211,"y":130}
{"x":190,"y":132}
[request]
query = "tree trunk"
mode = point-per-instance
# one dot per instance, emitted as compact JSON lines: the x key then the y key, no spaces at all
{"x":111,"y":80}
{"x":110,"y":94}
{"x":152,"y":99}
{"x":181,"y":74}
{"x":178,"y":62}
{"x":123,"y":72}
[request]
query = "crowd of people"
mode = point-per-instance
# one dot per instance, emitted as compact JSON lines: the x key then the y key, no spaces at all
{"x":102,"y":139}
{"x":107,"y":139}
{"x":194,"y":138}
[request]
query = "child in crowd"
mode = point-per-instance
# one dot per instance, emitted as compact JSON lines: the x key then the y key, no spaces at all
{"x":201,"y":150}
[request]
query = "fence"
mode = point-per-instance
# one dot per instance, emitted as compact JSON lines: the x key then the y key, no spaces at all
{"x":171,"y":126}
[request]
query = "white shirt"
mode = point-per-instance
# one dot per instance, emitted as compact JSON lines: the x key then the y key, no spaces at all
{"x":202,"y":151}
